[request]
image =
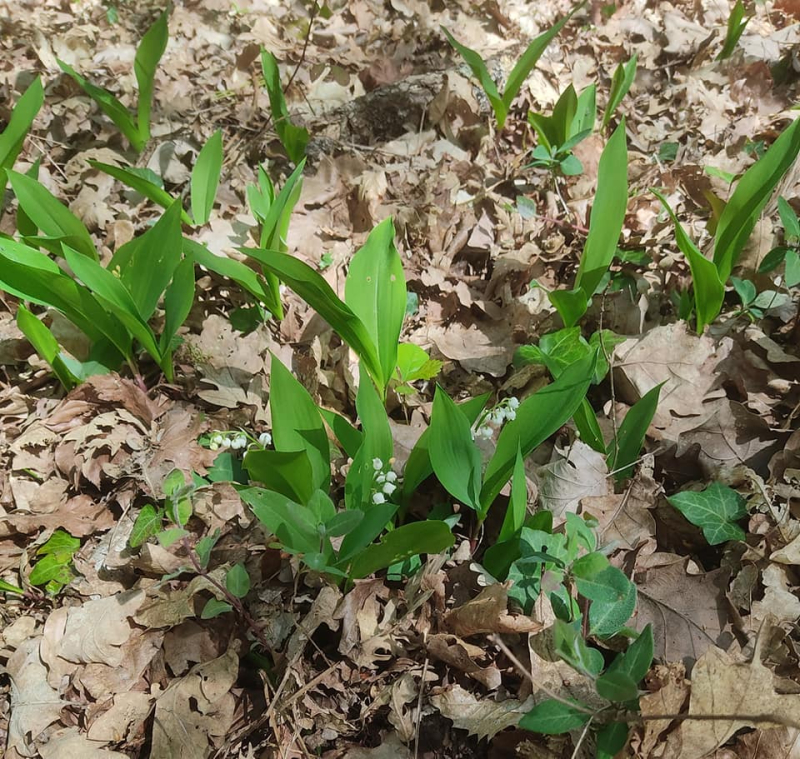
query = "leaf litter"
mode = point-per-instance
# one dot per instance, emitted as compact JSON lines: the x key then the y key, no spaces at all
{"x":122,"y":662}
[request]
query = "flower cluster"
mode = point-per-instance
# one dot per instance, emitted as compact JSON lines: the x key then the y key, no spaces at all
{"x":505,"y":411}
{"x":385,"y":482}
{"x":236,"y":440}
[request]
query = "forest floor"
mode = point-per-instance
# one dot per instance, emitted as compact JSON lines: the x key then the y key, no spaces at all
{"x":119,"y":662}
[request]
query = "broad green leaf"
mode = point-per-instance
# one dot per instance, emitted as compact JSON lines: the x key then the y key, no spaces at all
{"x":528,"y":60}
{"x":584,"y":118}
{"x":625,"y":448}
{"x":237,"y":581}
{"x":142,"y":185}
{"x":283,"y":517}
{"x":214,"y":608}
{"x":608,"y":213}
{"x":377,"y":444}
{"x":46,"y":345}
{"x":589,"y":565}
{"x":297,"y":424}
{"x":148,"y":54}
{"x":315,"y":291}
{"x":552,"y":717}
{"x":617,"y":686}
{"x":293,"y":138}
{"x":636,"y":661}
{"x":147,"y":524}
{"x":348,"y":436}
{"x":418,"y":467}
{"x":429,"y":537}
{"x":343,"y":523}
{"x":745,"y":289}
{"x":414,"y":363}
{"x":538,"y":417}
{"x":621,"y":82}
{"x":791,"y":224}
{"x":53,"y":218}
{"x":178,"y":301}
{"x":587,"y":425}
{"x":114,"y":296}
{"x":569,"y":643}
{"x":375,"y":290}
{"x":613,"y":605}
{"x":752,"y":192}
{"x":611,"y":739}
{"x":714,"y":510}
{"x":481,"y":73}
{"x":376,"y":519}
{"x":22,"y":116}
{"x":570,"y":304}
{"x":59,"y":542}
{"x":145,"y":265}
{"x":52,"y":567}
{"x":205,"y":178}
{"x":709,"y":288}
{"x":454,"y":456}
{"x":792,"y":261}
{"x":517,"y":503}
{"x":288,"y":473}
{"x":556,"y":350}
{"x":112,"y":108}
{"x":171,"y":536}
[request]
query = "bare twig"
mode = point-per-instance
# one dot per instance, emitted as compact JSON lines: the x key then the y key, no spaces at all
{"x":312,"y":17}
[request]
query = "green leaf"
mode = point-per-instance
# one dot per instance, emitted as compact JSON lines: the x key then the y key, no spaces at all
{"x":53,"y":567}
{"x":636,"y":661}
{"x":617,"y":686}
{"x":570,"y":304}
{"x":481,"y":73}
{"x":608,"y":213}
{"x":147,"y":524}
{"x":715,"y":510}
{"x":429,"y":537}
{"x":288,"y":473}
{"x":214,"y":608}
{"x":792,"y":269}
{"x":752,"y":192}
{"x":528,"y":60}
{"x":293,"y":138}
{"x":348,"y":436}
{"x":284,"y":518}
{"x":133,"y":179}
{"x":13,"y":136}
{"x":205,"y":546}
{"x":109,"y":105}
{"x":170,"y":536}
{"x":709,"y":288}
{"x":745,"y":289}
{"x":60,"y":542}
{"x":454,"y":456}
{"x":205,"y":178}
{"x":46,"y":345}
{"x":538,"y":417}
{"x":376,"y":519}
{"x":53,"y":218}
{"x":413,"y":363}
{"x":418,"y":467}
{"x":375,"y":290}
{"x":589,"y":565}
{"x":624,"y":449}
{"x":178,"y":301}
{"x":620,"y":84}
{"x":556,"y":350}
{"x":237,"y":581}
{"x":297,"y":424}
{"x":736,"y":25}
{"x":614,"y":602}
{"x":552,"y":717}
{"x":517,"y":503}
{"x":315,"y":291}
{"x":586,"y":422}
{"x":148,"y":54}
{"x":343,"y":523}
{"x":7,"y":587}
{"x":146,"y":264}
{"x":791,"y":224}
{"x":611,"y":739}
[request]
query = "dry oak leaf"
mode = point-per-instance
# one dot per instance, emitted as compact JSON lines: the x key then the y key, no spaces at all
{"x":689,"y":613}
{"x":743,"y":692}
{"x":488,"y":613}
{"x":34,"y":704}
{"x":669,"y":698}
{"x":195,"y":710}
{"x":462,"y":655}
{"x":70,"y":744}
{"x":127,"y":713}
{"x":483,"y":718}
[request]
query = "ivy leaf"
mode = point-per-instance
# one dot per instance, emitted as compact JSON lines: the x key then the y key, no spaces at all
{"x":714,"y":510}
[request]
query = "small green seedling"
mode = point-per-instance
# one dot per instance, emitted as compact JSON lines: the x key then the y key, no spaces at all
{"x":54,"y":568}
{"x":571,"y":122}
{"x":413,"y":365}
{"x":293,"y":138}
{"x":737,"y":22}
{"x":787,"y":254}
{"x":715,"y":510}
{"x":735,"y":225}
{"x":13,"y":136}
{"x":203,"y":185}
{"x":151,"y":48}
{"x":501,"y":104}
{"x":621,"y":82}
